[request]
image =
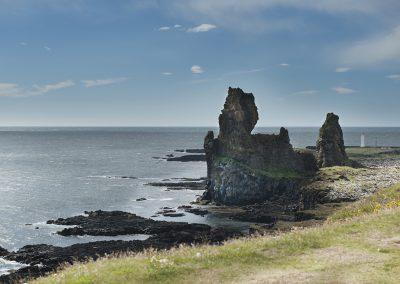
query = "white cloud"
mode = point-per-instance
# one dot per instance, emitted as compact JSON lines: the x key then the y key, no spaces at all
{"x":202,"y":28}
{"x":177,"y":26}
{"x":249,"y":15}
{"x":306,"y":92}
{"x":164,"y":29}
{"x":14,"y":90}
{"x":9,"y":89}
{"x":284,"y":65}
{"x":103,"y":82}
{"x":22,"y":43}
{"x":196,"y":69}
{"x":343,"y":90}
{"x":374,"y":50}
{"x":51,"y":87}
{"x":342,"y":69}
{"x":167,"y":73}
{"x":47,"y":48}
{"x":330,"y":6}
{"x":394,"y":77}
{"x":240,"y":72}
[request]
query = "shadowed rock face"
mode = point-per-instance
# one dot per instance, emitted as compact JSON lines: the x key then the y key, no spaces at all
{"x":3,"y":251}
{"x":244,"y":168}
{"x":330,"y":144}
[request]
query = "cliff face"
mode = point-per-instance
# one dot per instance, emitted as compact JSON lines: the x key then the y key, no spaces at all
{"x":330,"y":144}
{"x":246,"y":168}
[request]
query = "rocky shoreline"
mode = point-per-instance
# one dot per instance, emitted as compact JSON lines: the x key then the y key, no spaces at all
{"x":330,"y":189}
{"x":259,"y":179}
{"x":41,"y":259}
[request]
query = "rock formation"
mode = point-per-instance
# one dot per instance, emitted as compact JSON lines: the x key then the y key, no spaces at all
{"x":330,"y":144}
{"x":3,"y":251}
{"x":244,"y":168}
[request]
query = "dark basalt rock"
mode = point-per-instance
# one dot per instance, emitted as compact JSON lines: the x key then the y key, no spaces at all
{"x":197,"y":211}
{"x":3,"y":251}
{"x":244,"y":168}
{"x":193,"y":151}
{"x":192,"y":185}
{"x":188,"y":158}
{"x":114,"y":223}
{"x":199,"y":151}
{"x":46,"y":258}
{"x":173,"y":214}
{"x":330,"y":144}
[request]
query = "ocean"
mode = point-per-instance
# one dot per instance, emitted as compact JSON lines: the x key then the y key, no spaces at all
{"x":47,"y":173}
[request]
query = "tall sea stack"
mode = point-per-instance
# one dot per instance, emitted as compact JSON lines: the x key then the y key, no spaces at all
{"x":330,"y":144}
{"x":245,"y":168}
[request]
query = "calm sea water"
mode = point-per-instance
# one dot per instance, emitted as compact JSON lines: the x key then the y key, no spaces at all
{"x":48,"y":173}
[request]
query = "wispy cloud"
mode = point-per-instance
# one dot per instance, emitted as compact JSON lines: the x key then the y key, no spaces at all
{"x":394,"y":77}
{"x":374,"y":50}
{"x":177,"y":26}
{"x":167,"y":73}
{"x":202,"y":28}
{"x":249,"y":15}
{"x":305,"y":92}
{"x":196,"y":69}
{"x":342,"y":69}
{"x":47,"y":48}
{"x":284,"y":64}
{"x":9,"y":89}
{"x":15,"y":90}
{"x":23,"y":43}
{"x":51,"y":87}
{"x":240,"y":72}
{"x":164,"y":29}
{"x":103,"y":82}
{"x":343,"y":90}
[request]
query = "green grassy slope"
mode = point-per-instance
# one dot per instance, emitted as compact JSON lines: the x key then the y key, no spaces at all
{"x":360,"y":243}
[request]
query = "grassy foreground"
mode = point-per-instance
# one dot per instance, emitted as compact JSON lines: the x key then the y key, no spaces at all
{"x":360,"y":243}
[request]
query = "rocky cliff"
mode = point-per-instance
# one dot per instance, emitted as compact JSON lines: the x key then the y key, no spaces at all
{"x":330,"y":145}
{"x":244,"y":168}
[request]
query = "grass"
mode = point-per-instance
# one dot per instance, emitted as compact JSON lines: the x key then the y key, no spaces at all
{"x":383,"y":199}
{"x":268,"y":172}
{"x":359,"y":244}
{"x":373,"y":152}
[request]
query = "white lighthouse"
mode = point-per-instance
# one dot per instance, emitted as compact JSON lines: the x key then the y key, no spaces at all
{"x":362,"y":140}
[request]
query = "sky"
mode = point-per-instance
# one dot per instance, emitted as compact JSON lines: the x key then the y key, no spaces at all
{"x":170,"y":62}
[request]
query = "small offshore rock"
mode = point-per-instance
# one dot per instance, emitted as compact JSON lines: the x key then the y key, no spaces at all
{"x":188,"y":158}
{"x":197,"y":211}
{"x":173,"y":214}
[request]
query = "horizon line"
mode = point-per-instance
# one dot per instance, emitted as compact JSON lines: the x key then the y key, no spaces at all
{"x":181,"y":126}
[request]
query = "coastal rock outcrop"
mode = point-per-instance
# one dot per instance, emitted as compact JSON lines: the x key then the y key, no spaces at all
{"x":330,"y":145}
{"x":244,"y":168}
{"x":41,"y":259}
{"x":3,"y":251}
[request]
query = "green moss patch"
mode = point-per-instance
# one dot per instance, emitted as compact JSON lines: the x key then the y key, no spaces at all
{"x":267,"y":172}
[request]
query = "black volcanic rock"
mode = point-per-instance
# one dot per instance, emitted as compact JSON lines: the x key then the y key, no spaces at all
{"x":243,"y":168}
{"x":114,"y":223}
{"x":330,"y":144}
{"x":42,"y":259}
{"x":188,"y":158}
{"x":180,"y":185}
{"x":3,"y":251}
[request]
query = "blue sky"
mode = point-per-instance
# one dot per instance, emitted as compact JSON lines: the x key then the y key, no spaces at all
{"x":169,"y":63}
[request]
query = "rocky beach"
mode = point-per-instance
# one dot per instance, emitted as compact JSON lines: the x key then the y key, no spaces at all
{"x":260,"y":180}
